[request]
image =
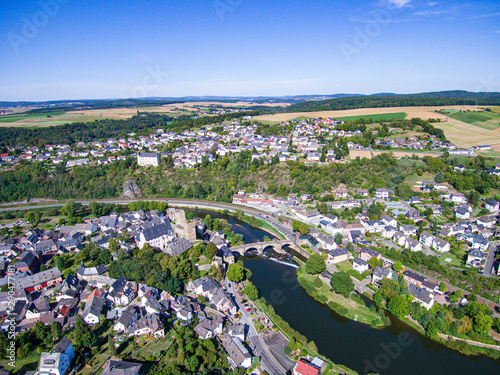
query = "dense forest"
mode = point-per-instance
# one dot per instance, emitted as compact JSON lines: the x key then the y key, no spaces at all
{"x":376,"y":101}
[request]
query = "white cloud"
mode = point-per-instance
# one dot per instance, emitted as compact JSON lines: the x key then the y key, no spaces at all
{"x":400,"y":3}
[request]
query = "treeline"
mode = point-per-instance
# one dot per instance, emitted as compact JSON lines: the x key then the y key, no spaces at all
{"x":100,"y":104}
{"x":377,"y":101}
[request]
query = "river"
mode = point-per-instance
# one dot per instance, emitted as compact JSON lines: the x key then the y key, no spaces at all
{"x":397,"y":349}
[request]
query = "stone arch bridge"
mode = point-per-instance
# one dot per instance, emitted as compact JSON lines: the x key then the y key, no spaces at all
{"x":276,"y":245}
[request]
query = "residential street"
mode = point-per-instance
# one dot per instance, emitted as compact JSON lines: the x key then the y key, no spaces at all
{"x":260,"y":348}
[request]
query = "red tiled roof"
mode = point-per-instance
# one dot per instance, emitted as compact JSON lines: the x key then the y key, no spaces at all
{"x":305,"y":368}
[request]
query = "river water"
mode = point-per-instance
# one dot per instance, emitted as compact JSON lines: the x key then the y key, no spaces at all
{"x":397,"y":349}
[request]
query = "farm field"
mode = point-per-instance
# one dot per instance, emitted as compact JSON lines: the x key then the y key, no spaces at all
{"x":458,"y":132}
{"x":467,"y":135}
{"x":483,"y":119}
{"x":59,"y":118}
{"x":411,"y":112}
{"x":374,"y":118}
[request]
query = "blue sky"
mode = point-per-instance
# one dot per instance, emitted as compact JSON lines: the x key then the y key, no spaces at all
{"x":68,"y":49}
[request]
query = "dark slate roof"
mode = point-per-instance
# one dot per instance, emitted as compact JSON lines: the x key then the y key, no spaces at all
{"x":62,"y":345}
{"x":420,"y":293}
{"x":38,"y":278}
{"x":121,"y":368}
{"x":156,"y":231}
{"x":178,"y":246}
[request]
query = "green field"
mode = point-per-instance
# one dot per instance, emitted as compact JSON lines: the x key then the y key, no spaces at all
{"x":374,"y":118}
{"x":18,"y":117}
{"x":495,"y":109}
{"x":379,"y":117}
{"x":483,"y":119}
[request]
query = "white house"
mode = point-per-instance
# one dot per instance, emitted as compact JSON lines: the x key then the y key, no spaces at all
{"x":388,"y":231}
{"x":422,"y":296}
{"x":58,"y":360}
{"x":146,"y":159}
{"x":492,"y":205}
{"x":426,"y":238}
{"x":486,"y":221}
{"x":440,"y":245}
{"x":413,"y":244}
{"x":381,"y":193}
{"x":388,"y":220}
{"x":360,"y":265}
{"x":157,"y":236}
{"x":238,"y":354}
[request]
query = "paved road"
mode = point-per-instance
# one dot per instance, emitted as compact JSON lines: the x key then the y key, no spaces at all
{"x":267,"y":359}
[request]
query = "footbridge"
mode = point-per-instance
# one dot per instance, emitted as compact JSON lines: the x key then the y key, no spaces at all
{"x":276,"y":245}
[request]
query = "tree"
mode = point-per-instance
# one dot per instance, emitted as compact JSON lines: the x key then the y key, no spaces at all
{"x":482,"y":322}
{"x":304,"y":229}
{"x":235,"y":272}
{"x":111,"y":346}
{"x":105,"y":256}
{"x":375,"y":211}
{"x":56,"y":331}
{"x":338,"y":239}
{"x":211,"y":250}
{"x":442,"y":287}
{"x":374,"y":262}
{"x":41,"y":330}
{"x":208,"y":221}
{"x":32,"y":217}
{"x":341,"y":283}
{"x":378,"y":299}
{"x":113,"y":245}
{"x":388,"y":287}
{"x":82,"y":336}
{"x":397,"y":266}
{"x":398,"y":305}
{"x":70,"y":209}
{"x":315,"y":264}
{"x":252,"y":292}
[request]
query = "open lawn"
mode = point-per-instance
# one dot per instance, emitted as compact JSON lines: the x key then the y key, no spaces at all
{"x":22,"y":364}
{"x":344,"y":266}
{"x":412,"y":180}
{"x":455,"y":262}
{"x":495,"y":109}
